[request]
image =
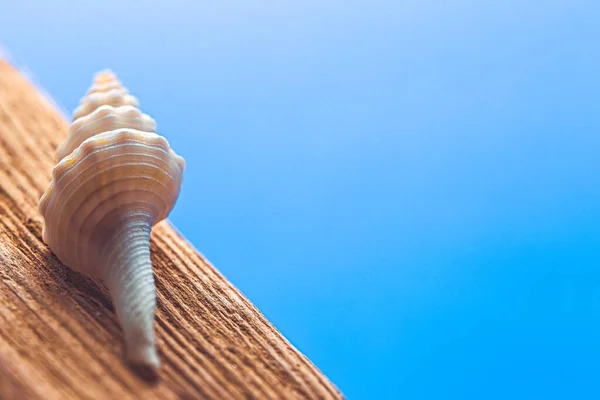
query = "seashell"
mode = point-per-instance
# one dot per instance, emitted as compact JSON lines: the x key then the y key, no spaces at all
{"x":116,"y":178}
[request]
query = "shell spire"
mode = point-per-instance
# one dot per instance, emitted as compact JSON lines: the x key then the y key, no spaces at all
{"x":114,"y":179}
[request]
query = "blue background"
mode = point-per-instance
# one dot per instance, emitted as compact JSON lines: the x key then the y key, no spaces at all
{"x":409,"y":190}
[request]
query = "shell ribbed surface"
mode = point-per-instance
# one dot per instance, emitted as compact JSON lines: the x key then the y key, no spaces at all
{"x":103,"y":119}
{"x":114,"y":179}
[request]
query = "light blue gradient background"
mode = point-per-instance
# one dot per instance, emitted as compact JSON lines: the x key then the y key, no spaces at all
{"x":408,"y":190}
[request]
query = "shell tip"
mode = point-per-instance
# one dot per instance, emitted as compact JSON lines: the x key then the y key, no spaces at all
{"x":105,"y":75}
{"x":144,"y":358}
{"x":145,"y":372}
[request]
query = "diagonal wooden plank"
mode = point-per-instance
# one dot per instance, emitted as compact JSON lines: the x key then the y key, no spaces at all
{"x":59,"y":336}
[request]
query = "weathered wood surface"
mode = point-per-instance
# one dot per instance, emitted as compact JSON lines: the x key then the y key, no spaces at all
{"x":59,"y":336}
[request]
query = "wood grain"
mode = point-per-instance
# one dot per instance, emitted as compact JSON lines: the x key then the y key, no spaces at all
{"x":59,"y":336}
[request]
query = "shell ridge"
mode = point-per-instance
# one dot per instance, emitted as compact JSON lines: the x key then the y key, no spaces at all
{"x":84,"y":151}
{"x":81,"y":227}
{"x":65,"y":201}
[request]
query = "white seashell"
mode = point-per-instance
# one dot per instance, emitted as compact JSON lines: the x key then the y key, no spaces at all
{"x":115,"y":179}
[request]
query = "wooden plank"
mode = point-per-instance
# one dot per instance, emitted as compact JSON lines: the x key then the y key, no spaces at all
{"x":59,"y":336}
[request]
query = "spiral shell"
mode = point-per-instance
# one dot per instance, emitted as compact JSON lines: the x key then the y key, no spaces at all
{"x":115,"y":178}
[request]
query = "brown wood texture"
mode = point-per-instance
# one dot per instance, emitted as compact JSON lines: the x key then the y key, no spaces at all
{"x":59,"y":336}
